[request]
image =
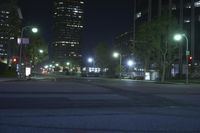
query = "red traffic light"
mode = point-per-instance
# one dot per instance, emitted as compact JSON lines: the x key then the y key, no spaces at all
{"x":190,"y":57}
{"x":15,"y":60}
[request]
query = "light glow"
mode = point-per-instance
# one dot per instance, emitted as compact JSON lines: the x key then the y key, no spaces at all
{"x":34,"y":30}
{"x":178,"y":37}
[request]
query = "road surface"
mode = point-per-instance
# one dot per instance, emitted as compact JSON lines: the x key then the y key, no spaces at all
{"x":93,"y":105}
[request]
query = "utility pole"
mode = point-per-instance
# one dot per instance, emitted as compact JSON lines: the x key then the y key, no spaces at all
{"x":149,"y":10}
{"x":170,"y":8}
{"x":159,"y":8}
{"x":181,"y":47}
{"x":192,"y":29}
{"x":134,"y":20}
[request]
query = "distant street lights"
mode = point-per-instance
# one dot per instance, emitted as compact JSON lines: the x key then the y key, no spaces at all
{"x":41,"y":51}
{"x":34,"y":30}
{"x":116,"y":55}
{"x":68,"y":63}
{"x":130,"y":63}
{"x":91,"y":60}
{"x":178,"y":37}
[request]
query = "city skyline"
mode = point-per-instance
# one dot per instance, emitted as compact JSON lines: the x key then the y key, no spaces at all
{"x":102,"y":20}
{"x":67,"y":29}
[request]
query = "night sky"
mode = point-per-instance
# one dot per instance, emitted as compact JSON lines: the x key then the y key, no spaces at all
{"x":103,"y":19}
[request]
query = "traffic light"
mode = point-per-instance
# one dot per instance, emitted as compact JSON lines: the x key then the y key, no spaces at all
{"x":190,"y":60}
{"x":14,"y":60}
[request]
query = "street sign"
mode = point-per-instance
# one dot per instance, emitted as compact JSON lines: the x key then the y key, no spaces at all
{"x":24,"y":41}
{"x":187,"y":53}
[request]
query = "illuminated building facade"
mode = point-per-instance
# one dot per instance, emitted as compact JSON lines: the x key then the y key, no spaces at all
{"x":4,"y":36}
{"x":9,"y":28}
{"x":187,"y":13}
{"x":67,"y":27}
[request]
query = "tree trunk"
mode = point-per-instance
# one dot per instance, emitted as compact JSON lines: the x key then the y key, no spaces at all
{"x":145,"y":66}
{"x":163,"y":68}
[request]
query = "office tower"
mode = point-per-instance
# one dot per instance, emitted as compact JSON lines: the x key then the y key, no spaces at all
{"x":4,"y":36}
{"x":9,"y":29}
{"x":67,"y":27}
{"x":185,"y":11}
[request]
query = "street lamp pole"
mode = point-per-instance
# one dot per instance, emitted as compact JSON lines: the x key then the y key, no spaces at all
{"x":20,"y":52}
{"x":21,"y":45}
{"x":120,"y":66}
{"x":116,"y":55}
{"x":187,"y":54}
{"x":178,"y":37}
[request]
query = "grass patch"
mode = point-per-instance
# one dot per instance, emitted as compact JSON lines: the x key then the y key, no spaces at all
{"x":8,"y":74}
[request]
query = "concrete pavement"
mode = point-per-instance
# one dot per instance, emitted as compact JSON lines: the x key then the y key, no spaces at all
{"x":87,"y":106}
{"x":7,"y":79}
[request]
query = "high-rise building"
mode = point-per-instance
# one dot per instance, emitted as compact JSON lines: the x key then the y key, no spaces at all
{"x":187,"y":13}
{"x":67,"y":27}
{"x":4,"y":36}
{"x":9,"y":23}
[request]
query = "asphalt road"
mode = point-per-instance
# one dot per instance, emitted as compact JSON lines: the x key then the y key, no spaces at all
{"x":92,"y":105}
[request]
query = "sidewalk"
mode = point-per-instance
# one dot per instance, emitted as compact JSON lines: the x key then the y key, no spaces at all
{"x":7,"y":79}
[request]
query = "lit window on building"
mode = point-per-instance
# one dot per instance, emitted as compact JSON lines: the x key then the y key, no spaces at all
{"x":187,"y":21}
{"x":188,"y":5}
{"x":174,"y":7}
{"x":197,"y":4}
{"x":12,"y":38}
{"x":75,"y":10}
{"x":138,"y":15}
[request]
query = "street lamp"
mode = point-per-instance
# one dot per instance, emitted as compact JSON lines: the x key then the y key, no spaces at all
{"x":57,"y":64}
{"x":90,"y":60}
{"x":34,"y":30}
{"x":68,"y":63}
{"x":41,"y":51}
{"x":116,"y":55}
{"x":130,"y":63}
{"x":178,"y":37}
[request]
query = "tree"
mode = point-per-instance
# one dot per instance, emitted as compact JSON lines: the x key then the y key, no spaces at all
{"x":145,"y":45}
{"x":102,"y":55}
{"x":154,"y":45}
{"x":166,"y":25}
{"x":33,"y":50}
{"x":103,"y":58}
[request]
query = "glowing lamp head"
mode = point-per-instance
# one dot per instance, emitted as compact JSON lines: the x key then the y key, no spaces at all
{"x":115,"y":55}
{"x":34,"y":30}
{"x":177,"y":37}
